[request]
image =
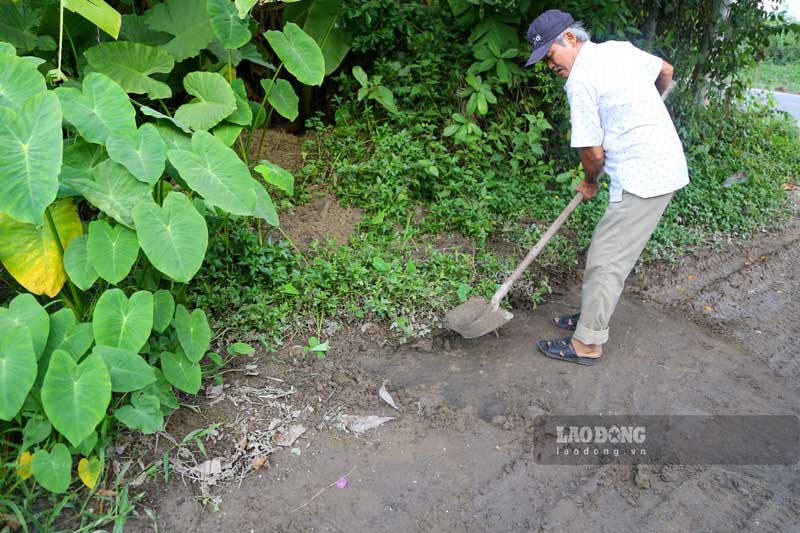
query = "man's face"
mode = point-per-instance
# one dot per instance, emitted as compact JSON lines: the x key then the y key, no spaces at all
{"x":560,"y":58}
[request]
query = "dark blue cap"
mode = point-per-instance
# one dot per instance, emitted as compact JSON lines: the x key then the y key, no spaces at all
{"x":544,"y":30}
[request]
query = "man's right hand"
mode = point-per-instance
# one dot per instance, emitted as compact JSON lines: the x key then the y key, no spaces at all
{"x":588,"y":189}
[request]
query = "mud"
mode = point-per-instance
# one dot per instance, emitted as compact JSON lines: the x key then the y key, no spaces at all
{"x":322,"y":219}
{"x":717,"y":335}
{"x":281,"y":148}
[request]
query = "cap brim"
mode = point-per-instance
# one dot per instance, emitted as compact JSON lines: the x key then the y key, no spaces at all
{"x":539,"y":52}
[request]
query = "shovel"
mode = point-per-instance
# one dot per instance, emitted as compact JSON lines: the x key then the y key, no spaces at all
{"x":476,"y":316}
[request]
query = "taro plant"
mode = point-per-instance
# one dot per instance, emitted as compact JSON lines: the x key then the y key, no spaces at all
{"x":103,"y":205}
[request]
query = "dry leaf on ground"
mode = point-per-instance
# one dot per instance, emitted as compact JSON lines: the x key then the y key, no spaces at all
{"x":360,"y":424}
{"x":386,"y":397}
{"x":288,"y":438}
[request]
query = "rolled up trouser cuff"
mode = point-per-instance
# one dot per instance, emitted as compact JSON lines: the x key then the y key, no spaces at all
{"x":590,"y":336}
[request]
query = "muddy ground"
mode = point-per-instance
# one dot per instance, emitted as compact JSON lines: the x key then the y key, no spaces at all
{"x":717,"y":335}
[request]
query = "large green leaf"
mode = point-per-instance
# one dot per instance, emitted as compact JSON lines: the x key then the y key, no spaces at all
{"x":243,"y":7}
{"x":181,"y":372}
{"x":193,"y":332}
{"x":162,"y":390}
{"x":81,"y":159}
{"x":53,"y":469}
{"x":75,"y":396}
{"x":24,"y":311}
{"x":129,"y":372}
{"x":299,"y":52}
{"x":113,"y":190}
{"x":187,"y":21}
{"x":214,"y":100}
{"x":143,"y":154}
{"x":163,"y":309}
{"x":30,"y":157}
{"x":102,"y":108}
{"x":243,"y":115}
{"x":282,"y":97}
{"x":30,"y":253}
{"x":112,"y":251}
{"x":174,"y":140}
{"x":323,"y":23}
{"x":216,"y":173}
{"x":66,"y":333}
{"x":86,"y":447}
{"x":265,"y":207}
{"x":227,"y":132}
{"x":19,"y":81}
{"x":276,"y":175}
{"x":250,"y":52}
{"x":77,"y":264}
{"x":150,"y":112}
{"x":131,"y":65}
{"x":17,"y":369}
{"x":123,"y":323}
{"x":493,"y":30}
{"x":135,"y":29}
{"x":19,"y":24}
{"x":228,"y":27}
{"x":174,"y":237}
{"x":98,"y":13}
{"x":35,"y":431}
{"x":144,"y":413}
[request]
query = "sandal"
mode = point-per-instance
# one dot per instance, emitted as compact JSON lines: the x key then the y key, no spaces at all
{"x":568,"y":322}
{"x":563,"y":350}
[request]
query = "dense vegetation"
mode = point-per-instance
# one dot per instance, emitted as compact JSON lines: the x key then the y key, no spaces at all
{"x":146,"y":207}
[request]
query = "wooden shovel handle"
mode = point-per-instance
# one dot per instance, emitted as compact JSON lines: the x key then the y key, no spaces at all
{"x":554,"y":227}
{"x":506,"y":286}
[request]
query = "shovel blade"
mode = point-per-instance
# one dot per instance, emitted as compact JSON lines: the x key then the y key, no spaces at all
{"x":476,"y":317}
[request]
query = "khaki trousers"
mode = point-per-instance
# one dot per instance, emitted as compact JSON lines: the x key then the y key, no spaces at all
{"x":617,"y":242}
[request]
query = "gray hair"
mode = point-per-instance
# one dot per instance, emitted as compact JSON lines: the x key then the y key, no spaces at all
{"x":577,"y":28}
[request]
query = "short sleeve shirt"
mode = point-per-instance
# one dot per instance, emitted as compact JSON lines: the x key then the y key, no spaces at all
{"x":614,"y":104}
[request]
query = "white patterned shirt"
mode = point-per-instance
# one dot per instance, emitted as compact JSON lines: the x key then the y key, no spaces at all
{"x":614,"y":103}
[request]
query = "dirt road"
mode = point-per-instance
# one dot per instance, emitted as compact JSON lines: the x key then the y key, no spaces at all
{"x":720,"y":335}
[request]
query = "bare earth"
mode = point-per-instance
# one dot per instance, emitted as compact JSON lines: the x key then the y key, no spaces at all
{"x":718,"y":335}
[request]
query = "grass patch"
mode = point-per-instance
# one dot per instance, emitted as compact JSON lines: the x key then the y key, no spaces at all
{"x":770,"y":76}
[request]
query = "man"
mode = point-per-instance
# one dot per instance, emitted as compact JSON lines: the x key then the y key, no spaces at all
{"x":619,"y":123}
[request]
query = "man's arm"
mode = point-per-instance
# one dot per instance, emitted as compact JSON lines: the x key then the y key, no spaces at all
{"x":664,"y":77}
{"x":593,"y":159}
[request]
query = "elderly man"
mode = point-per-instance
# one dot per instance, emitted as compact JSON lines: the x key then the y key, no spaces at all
{"x":620,"y":124}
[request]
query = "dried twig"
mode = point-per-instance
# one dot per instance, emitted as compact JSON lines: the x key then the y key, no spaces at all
{"x":314,"y":497}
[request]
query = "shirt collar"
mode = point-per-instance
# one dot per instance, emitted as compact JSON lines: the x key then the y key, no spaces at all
{"x":586,"y":49}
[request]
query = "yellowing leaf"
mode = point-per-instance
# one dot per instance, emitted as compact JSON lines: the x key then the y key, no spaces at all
{"x":24,"y":465}
{"x":30,"y":253}
{"x":98,"y":13}
{"x":89,"y":471}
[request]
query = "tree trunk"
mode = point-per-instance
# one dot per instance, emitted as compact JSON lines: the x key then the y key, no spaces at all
{"x":651,"y":25}
{"x":718,"y":10}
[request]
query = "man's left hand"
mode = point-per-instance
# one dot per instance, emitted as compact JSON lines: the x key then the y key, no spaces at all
{"x":588,"y":189}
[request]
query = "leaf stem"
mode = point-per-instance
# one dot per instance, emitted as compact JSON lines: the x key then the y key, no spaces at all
{"x":77,"y":305}
{"x":264,"y":101}
{"x":164,"y":106}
